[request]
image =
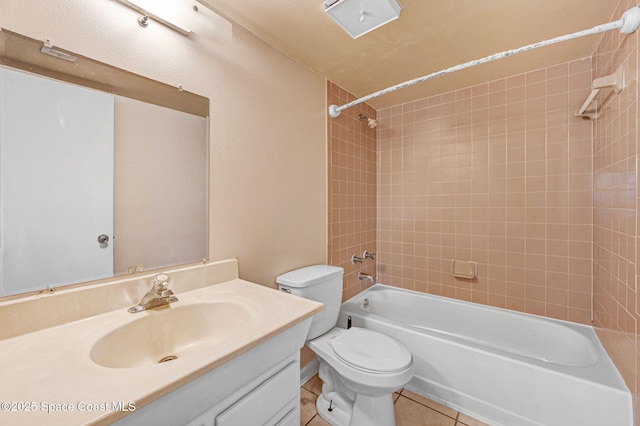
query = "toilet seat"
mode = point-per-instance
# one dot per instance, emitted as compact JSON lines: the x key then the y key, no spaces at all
{"x":371,"y":351}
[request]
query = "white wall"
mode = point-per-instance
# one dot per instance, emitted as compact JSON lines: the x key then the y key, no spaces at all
{"x":268,"y":143}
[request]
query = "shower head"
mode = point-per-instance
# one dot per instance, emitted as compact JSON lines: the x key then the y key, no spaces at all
{"x":371,"y":123}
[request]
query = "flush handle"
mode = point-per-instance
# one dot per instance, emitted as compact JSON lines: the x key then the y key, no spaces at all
{"x":103,"y":238}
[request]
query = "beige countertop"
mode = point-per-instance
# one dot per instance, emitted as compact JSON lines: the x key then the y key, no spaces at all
{"x":52,"y":369}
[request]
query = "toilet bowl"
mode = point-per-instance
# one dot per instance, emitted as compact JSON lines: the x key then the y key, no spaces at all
{"x":359,"y":368}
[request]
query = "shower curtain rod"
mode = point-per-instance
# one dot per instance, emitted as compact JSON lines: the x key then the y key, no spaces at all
{"x":628,"y":23}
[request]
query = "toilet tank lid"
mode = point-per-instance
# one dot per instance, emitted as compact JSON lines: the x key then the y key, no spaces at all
{"x":309,"y":275}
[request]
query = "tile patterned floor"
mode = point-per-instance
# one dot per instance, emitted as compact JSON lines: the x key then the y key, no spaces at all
{"x":410,"y":409}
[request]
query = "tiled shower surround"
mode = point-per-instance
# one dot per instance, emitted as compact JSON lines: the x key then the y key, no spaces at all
{"x":503,"y":174}
{"x":352,"y":189}
{"x":616,"y":200}
{"x":500,"y":174}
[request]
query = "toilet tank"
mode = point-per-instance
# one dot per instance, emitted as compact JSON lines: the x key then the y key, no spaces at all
{"x":322,"y":283}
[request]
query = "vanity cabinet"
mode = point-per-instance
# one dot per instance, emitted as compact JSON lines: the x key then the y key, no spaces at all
{"x":258,"y":387}
{"x":270,"y":403}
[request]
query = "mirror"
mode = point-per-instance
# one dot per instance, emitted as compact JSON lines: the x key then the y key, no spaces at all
{"x":102,"y":172}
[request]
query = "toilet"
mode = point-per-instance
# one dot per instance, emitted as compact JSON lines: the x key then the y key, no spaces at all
{"x":360,"y":369}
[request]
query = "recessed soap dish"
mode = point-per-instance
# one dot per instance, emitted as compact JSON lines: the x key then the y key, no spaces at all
{"x":464,"y":269}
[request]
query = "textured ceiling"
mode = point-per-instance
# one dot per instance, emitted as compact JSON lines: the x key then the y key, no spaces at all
{"x":429,"y":35}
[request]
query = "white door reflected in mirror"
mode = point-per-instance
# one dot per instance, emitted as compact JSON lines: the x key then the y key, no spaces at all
{"x":56,"y":182}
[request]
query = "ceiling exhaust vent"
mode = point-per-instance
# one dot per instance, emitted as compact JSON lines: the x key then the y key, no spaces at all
{"x":358,"y":17}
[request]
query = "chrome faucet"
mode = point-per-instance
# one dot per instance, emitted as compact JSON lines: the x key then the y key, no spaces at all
{"x":363,"y":276}
{"x":159,"y":295}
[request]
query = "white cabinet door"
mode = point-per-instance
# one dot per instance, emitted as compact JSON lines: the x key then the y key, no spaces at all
{"x":271,"y":402}
{"x":292,"y":418}
{"x":56,"y":182}
{"x":261,"y":406}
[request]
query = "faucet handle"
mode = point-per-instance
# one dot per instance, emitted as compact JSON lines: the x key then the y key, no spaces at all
{"x":161,"y":282}
{"x":367,"y":255}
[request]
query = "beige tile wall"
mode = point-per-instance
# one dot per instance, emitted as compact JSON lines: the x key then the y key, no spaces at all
{"x":352,"y":189}
{"x":498,"y":173}
{"x":616,"y":309}
{"x":502,"y":173}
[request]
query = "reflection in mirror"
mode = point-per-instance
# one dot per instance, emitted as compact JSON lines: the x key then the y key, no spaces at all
{"x":102,"y":172}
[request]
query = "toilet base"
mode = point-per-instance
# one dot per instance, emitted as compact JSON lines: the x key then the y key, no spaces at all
{"x":364,"y":411}
{"x":340,"y":413}
{"x":368,"y":410}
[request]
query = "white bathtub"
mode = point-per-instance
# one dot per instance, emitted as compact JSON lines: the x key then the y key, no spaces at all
{"x":498,"y":366}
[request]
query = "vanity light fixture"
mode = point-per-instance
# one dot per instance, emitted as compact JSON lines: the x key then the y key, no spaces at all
{"x":146,"y":15}
{"x":359,"y":17}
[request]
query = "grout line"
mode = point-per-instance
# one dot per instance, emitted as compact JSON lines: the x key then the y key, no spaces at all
{"x":310,"y":390}
{"x":430,"y":408}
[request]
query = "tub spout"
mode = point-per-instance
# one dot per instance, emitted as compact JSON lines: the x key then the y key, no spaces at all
{"x":363,"y":276}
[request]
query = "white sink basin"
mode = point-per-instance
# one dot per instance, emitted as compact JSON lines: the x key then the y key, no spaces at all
{"x":165,"y":334}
